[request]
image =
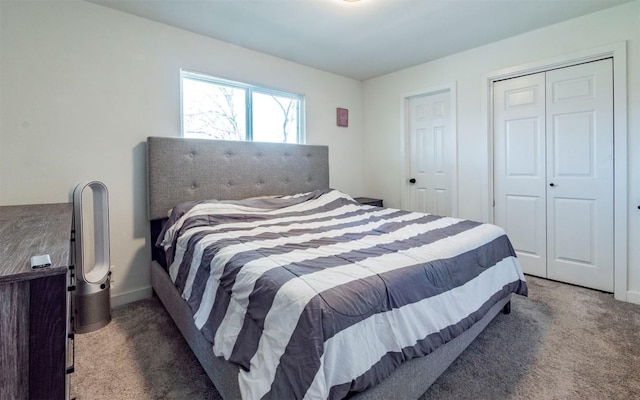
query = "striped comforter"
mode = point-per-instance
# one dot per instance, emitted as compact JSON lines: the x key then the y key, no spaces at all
{"x":314,"y":295}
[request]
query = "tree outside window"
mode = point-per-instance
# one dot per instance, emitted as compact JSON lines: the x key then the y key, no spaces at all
{"x":218,"y":109}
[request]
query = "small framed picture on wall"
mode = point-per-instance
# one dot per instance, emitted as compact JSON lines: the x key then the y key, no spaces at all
{"x":342,"y":117}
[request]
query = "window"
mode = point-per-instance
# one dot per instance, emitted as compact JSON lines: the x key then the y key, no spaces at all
{"x":215,"y":108}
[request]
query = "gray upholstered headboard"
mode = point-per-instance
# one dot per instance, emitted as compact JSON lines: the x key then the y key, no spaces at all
{"x":181,"y":170}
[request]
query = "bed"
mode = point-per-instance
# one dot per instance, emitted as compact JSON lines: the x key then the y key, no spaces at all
{"x":321,"y":315}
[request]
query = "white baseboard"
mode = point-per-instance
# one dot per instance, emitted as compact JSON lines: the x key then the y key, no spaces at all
{"x":633,"y":297}
{"x":131,"y":296}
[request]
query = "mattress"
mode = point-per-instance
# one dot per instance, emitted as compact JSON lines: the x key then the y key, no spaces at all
{"x":316,"y":296}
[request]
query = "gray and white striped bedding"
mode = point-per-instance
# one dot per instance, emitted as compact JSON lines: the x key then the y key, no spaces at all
{"x":314,"y":295}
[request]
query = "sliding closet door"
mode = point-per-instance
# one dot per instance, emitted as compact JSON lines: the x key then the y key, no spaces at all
{"x":519,"y":168}
{"x":580,"y":174}
{"x":553,"y":171}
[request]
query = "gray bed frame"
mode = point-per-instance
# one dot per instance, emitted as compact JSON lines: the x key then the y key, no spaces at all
{"x":181,"y":170}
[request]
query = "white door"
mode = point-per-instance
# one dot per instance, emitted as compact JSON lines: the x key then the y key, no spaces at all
{"x":432,"y":147}
{"x":564,"y":155}
{"x":519,"y":168}
{"x":580,"y":174}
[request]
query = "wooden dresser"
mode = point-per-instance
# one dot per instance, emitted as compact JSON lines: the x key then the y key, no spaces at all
{"x":34,"y":304}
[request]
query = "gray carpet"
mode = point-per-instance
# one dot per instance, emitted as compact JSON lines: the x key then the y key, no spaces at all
{"x":563,"y":342}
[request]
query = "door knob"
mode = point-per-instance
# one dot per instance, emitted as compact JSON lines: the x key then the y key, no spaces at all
{"x":412,"y":181}
{"x":552,"y":184}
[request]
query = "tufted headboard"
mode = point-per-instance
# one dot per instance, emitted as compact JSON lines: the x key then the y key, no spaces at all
{"x":181,"y":170}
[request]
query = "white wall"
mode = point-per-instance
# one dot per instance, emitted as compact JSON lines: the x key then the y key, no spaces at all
{"x":82,"y":86}
{"x":382,"y":104}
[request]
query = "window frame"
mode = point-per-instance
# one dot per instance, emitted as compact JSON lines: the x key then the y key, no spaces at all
{"x":249,"y":89}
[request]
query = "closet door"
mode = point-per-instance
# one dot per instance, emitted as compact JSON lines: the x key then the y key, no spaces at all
{"x":519,"y":168}
{"x":580,"y":174}
{"x":553,"y":172}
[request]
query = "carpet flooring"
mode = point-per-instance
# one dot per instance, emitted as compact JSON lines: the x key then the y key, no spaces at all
{"x":562,"y":342}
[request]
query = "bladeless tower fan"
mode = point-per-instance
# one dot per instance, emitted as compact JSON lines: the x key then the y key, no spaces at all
{"x":91,"y":300}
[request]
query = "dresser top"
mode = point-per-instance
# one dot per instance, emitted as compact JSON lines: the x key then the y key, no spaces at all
{"x":32,"y":230}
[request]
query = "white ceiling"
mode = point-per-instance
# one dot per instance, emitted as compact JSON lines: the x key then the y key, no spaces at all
{"x":361,"y":39}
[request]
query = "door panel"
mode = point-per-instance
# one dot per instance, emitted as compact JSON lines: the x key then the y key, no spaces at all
{"x":438,"y":149}
{"x":580,"y":167}
{"x":519,"y":168}
{"x":432,"y":146}
{"x":522,"y":224}
{"x":442,"y":202}
{"x":571,"y":89}
{"x":522,"y":152}
{"x":420,"y":198}
{"x":573,"y":144}
{"x":573,"y":215}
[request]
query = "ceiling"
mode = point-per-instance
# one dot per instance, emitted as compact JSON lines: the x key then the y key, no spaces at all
{"x":361,"y":39}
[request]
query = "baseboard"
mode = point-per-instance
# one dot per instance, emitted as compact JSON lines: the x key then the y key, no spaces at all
{"x":633,"y":297}
{"x":131,"y":296}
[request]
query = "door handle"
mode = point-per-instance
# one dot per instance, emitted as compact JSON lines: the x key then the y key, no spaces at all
{"x":552,"y":184}
{"x":412,"y":181}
